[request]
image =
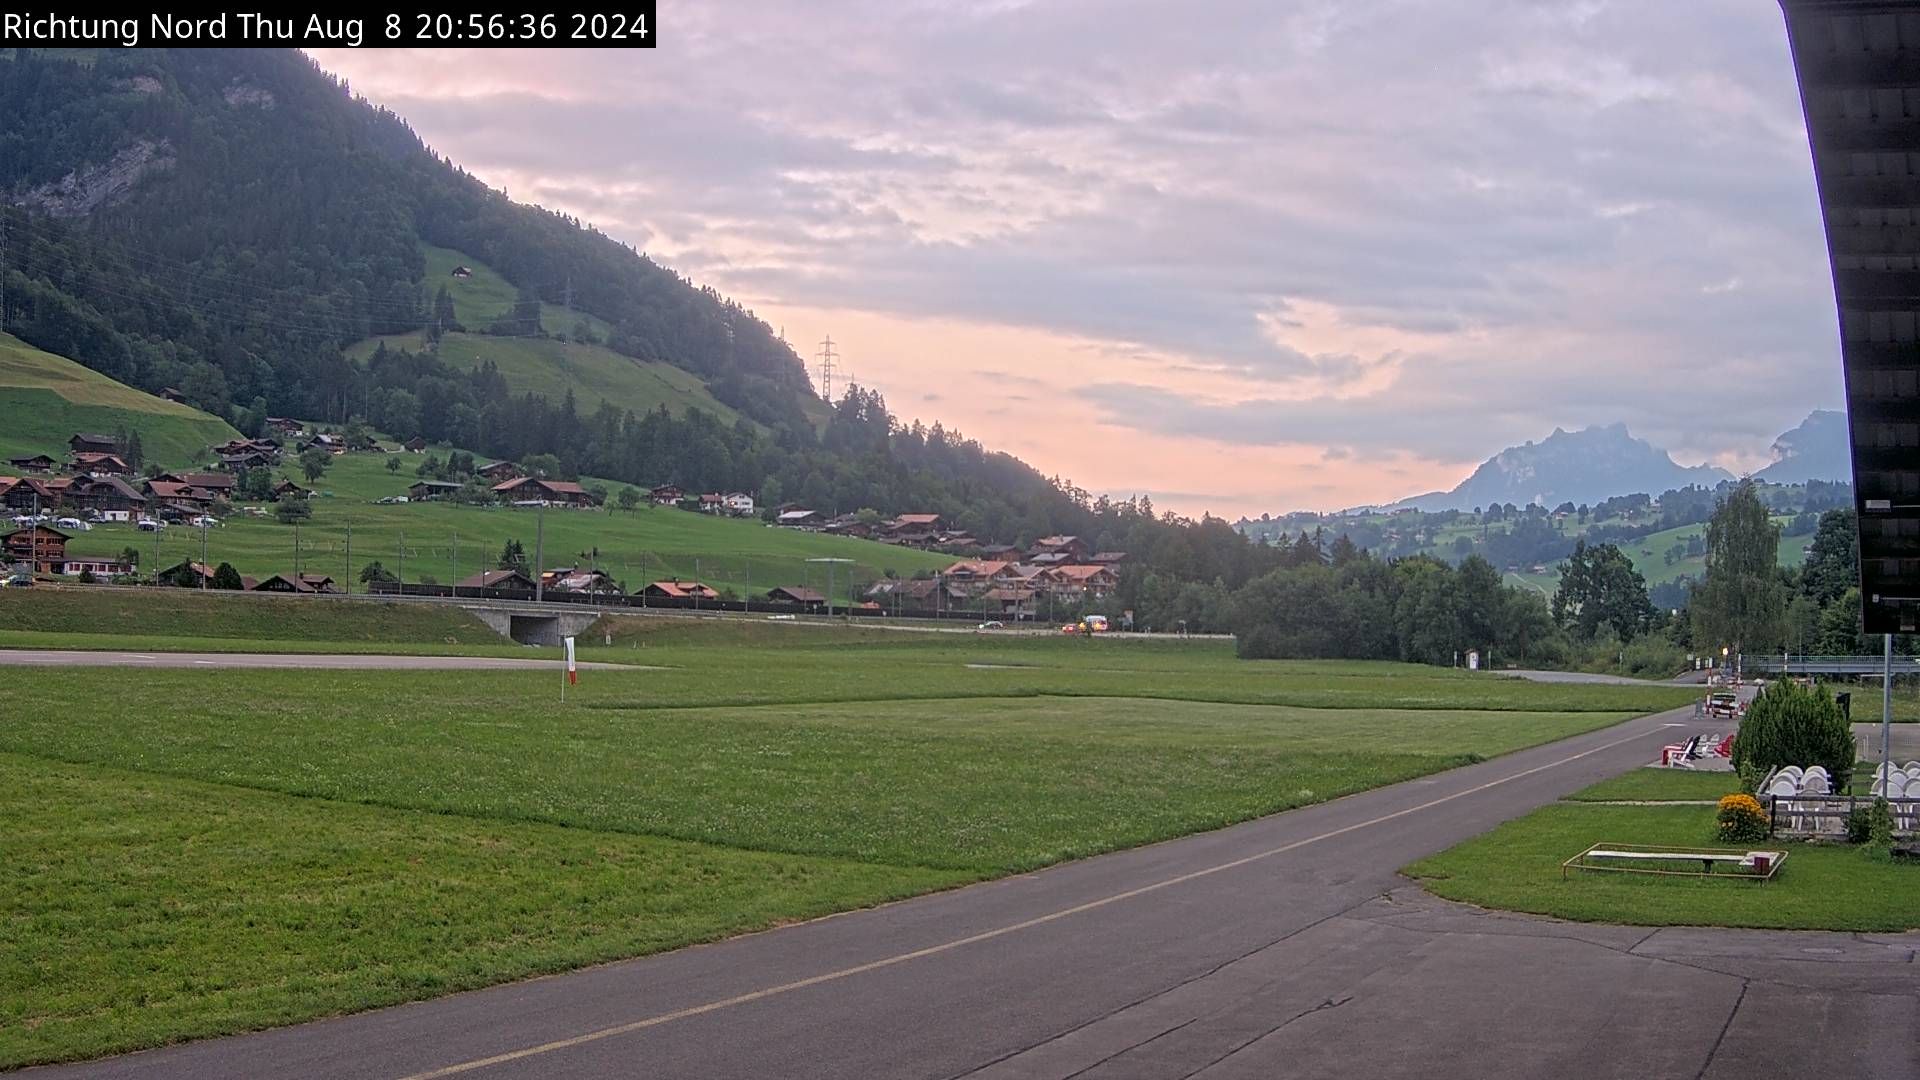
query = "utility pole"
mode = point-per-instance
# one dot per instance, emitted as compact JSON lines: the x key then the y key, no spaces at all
{"x":400,"y":573}
{"x":1886,"y":715}
{"x":203,"y":551}
{"x":453,"y":561}
{"x":539,"y":546}
{"x":349,"y":577}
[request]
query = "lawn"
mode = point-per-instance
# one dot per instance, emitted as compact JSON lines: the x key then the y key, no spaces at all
{"x":135,"y":614}
{"x":448,"y":542}
{"x":202,"y":851}
{"x":1660,"y":785}
{"x":1516,"y":867}
{"x":142,"y":909}
{"x":46,"y":398}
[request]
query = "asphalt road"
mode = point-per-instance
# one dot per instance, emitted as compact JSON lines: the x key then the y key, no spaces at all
{"x":1286,"y":946}
{"x":103,"y":658}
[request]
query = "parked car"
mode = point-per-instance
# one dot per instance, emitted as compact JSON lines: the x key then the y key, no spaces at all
{"x":17,"y":581}
{"x":72,"y":525}
{"x":146,"y":524}
{"x":991,"y":624}
{"x":1724,"y":704}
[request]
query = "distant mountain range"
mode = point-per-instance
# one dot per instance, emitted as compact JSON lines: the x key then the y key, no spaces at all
{"x":1597,"y":463}
{"x":1816,"y":450}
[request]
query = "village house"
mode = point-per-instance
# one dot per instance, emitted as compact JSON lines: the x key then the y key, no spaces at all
{"x":295,"y":583}
{"x":1107,"y":558}
{"x":574,"y":579}
{"x":1072,"y":548}
{"x":96,"y":464}
{"x":37,"y":546}
{"x":912,"y":530}
{"x":187,"y":575}
{"x":287,"y":489}
{"x":712,"y":503}
{"x":286,"y":426}
{"x":236,"y":447}
{"x":798,"y":518}
{"x":332,"y":444}
{"x":920,"y":594}
{"x":1000,"y":552}
{"x":795,"y":594}
{"x":110,"y":497}
{"x":848,"y":525}
{"x":665,"y":495}
{"x":978,"y":575}
{"x":460,"y":272}
{"x":85,"y":443}
{"x":429,"y":490}
{"x":100,"y":568}
{"x":415,"y":445}
{"x":25,"y":493}
{"x":1082,"y":580}
{"x":503,"y":582}
{"x":214,"y":484}
{"x":1011,"y":601}
{"x":173,"y":394}
{"x":680,"y":590}
{"x":738,"y":504}
{"x":171,"y":494}
{"x":549,"y":492}
{"x":500,"y":472}
{"x":252,"y":459}
{"x":37,"y":463}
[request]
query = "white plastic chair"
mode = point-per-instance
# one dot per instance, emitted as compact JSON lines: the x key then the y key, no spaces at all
{"x":1814,"y":783}
{"x":1783,"y":790}
{"x":1793,"y":772}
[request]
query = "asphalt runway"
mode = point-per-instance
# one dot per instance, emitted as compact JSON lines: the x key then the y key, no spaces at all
{"x":1286,"y":946}
{"x":91,"y":658}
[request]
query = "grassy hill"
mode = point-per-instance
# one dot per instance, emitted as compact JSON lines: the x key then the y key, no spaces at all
{"x":546,"y":366}
{"x":46,"y":398}
{"x":1649,"y":555}
{"x":449,"y":542}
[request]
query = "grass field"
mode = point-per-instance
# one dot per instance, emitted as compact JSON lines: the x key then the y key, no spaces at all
{"x":309,"y":842}
{"x":1649,"y":558}
{"x":46,"y":398}
{"x":1516,"y":867}
{"x":448,"y":542}
{"x":543,"y":365}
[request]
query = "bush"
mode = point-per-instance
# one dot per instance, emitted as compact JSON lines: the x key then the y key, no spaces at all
{"x":1790,"y":724}
{"x":1859,"y":824}
{"x":1742,"y":821}
{"x":1879,"y":837}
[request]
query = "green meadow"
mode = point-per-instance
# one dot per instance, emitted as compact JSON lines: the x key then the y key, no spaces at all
{"x":200,"y":851}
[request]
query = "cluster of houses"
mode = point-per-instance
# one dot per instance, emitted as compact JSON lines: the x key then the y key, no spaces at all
{"x":110,"y":497}
{"x":725,"y":504}
{"x":926,"y":531}
{"x":1009,"y":582}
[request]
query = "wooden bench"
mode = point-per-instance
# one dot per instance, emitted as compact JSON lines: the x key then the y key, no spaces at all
{"x":1758,"y":865}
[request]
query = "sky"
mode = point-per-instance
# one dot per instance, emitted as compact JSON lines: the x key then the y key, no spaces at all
{"x":1240,"y":255}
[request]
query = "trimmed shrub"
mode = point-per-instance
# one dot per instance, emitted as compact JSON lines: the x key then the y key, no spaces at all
{"x":1789,"y":724}
{"x":1742,"y":820}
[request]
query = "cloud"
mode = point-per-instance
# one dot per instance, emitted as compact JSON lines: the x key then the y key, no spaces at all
{"x":1391,"y":231}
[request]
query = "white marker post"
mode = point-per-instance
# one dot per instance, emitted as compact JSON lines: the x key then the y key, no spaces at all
{"x":568,"y":675}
